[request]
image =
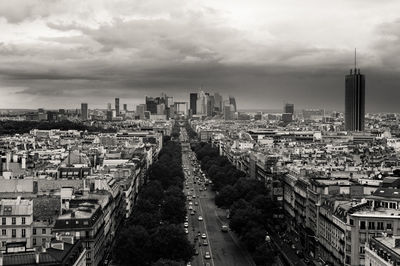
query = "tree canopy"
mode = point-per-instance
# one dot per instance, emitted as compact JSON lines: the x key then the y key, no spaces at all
{"x":153,"y":235}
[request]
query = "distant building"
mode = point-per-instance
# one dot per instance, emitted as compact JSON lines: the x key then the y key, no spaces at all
{"x":287,"y":117}
{"x":140,"y":110}
{"x":201,"y":104}
{"x":228,"y":112}
{"x":193,"y":103}
{"x":355,"y":101}
{"x":258,"y":116}
{"x":160,"y":109}
{"x":288,"y":108}
{"x":232,"y":101}
{"x":169,"y":101}
{"x":151,"y":105}
{"x":125,"y":107}
{"x":117,"y":111}
{"x":109,"y":115}
{"x":84,"y":111}
{"x":181,"y":108}
{"x":313,"y":114}
{"x":218,"y":101}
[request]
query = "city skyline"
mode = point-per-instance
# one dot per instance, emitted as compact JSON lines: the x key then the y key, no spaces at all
{"x":265,"y":54}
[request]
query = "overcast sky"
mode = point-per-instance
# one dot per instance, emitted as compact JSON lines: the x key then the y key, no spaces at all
{"x":59,"y":53}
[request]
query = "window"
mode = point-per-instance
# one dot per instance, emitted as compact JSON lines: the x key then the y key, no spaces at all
{"x":23,"y":220}
{"x":3,"y":243}
{"x":351,"y":222}
{"x":362,"y":224}
{"x":43,"y":231}
{"x":34,"y":241}
{"x":371,"y":225}
{"x":362,"y":250}
{"x":3,"y":232}
{"x":3,"y":221}
{"x":14,"y":220}
{"x":380,"y":226}
{"x":23,"y":232}
{"x":34,"y":231}
{"x":14,"y":233}
{"x":43,"y":241}
{"x":389,"y":226}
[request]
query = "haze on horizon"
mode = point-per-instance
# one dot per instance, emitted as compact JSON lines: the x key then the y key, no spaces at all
{"x":59,"y":53}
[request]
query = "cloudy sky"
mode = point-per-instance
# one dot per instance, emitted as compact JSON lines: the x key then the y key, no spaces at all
{"x":59,"y":53}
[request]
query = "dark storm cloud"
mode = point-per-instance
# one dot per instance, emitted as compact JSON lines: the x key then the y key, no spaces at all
{"x":150,"y":47}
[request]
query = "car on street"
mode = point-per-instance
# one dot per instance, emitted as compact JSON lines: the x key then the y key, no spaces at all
{"x":205,"y":243}
{"x":186,"y":231}
{"x":204,"y":236}
{"x":192,"y":213}
{"x":200,"y":218}
{"x":224,"y":228}
{"x":207,"y":264}
{"x":196,"y":203}
{"x":207,"y":255}
{"x":196,"y":252}
{"x":186,"y":224}
{"x":189,"y":264}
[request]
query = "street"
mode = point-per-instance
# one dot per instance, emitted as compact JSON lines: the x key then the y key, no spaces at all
{"x":223,"y":247}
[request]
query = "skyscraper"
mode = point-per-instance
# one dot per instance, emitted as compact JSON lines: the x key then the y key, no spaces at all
{"x":151,"y":105}
{"x":140,"y":110}
{"x":84,"y":111}
{"x":193,"y":103}
{"x":116,"y":106}
{"x":218,"y":102}
{"x":355,"y":101}
{"x":232,"y":101}
{"x":289,"y":108}
{"x":201,"y":104}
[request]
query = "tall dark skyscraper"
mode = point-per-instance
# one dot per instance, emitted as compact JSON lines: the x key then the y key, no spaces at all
{"x":193,"y":103}
{"x":355,"y":101}
{"x":117,"y":106}
{"x":289,"y":108}
{"x":151,"y":105}
{"x":84,"y":111}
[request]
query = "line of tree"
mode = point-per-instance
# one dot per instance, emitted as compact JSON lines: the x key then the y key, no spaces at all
{"x":191,"y":133}
{"x":10,"y":127}
{"x":251,"y":208}
{"x":154,"y":235}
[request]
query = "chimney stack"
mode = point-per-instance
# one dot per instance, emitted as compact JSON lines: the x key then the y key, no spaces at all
{"x":8,"y":159}
{"x":37,"y":257}
{"x":23,"y":162}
